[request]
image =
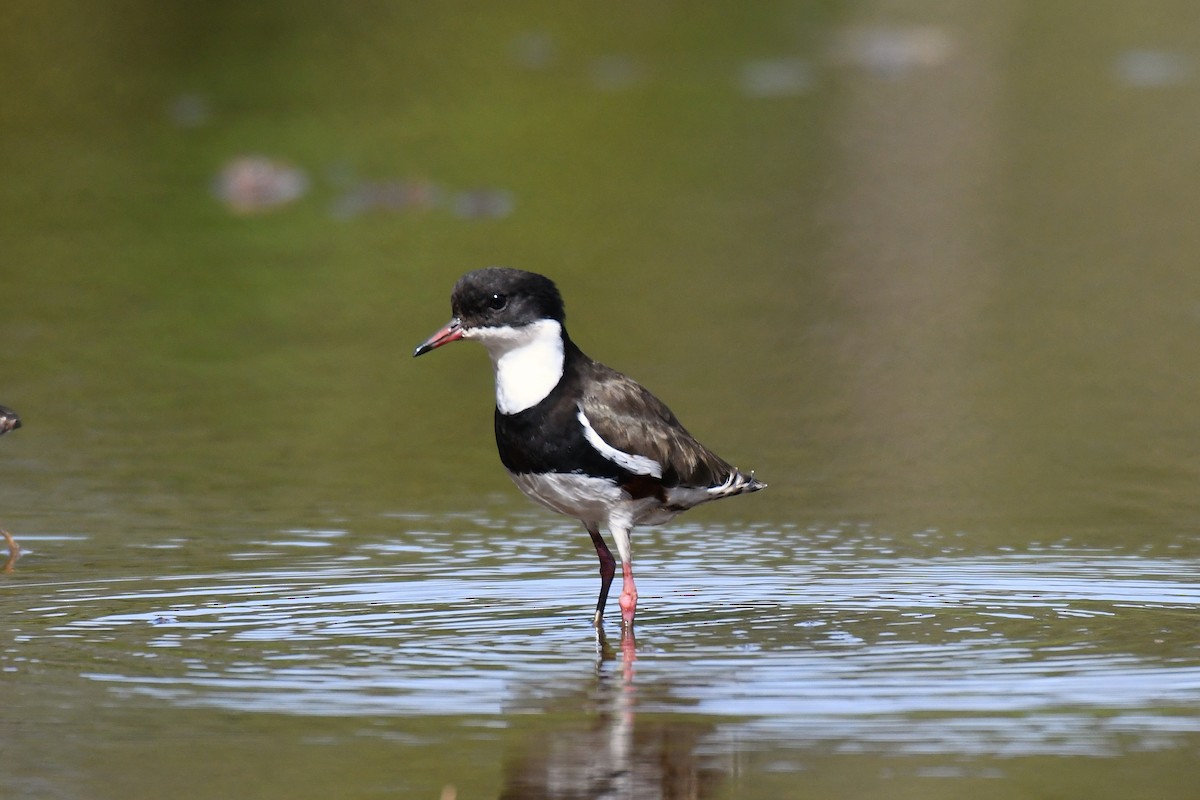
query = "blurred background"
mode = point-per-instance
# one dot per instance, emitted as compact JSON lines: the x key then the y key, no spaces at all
{"x":923,"y":266}
{"x":910,"y":261}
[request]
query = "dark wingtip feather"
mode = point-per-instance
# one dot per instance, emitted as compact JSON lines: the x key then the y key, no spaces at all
{"x":751,"y":483}
{"x":737,"y":483}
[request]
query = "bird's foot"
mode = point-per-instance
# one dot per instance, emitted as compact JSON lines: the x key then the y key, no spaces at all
{"x":628,"y":602}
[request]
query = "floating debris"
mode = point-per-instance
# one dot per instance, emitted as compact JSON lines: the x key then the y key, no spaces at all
{"x":893,"y":52}
{"x":1152,"y":69}
{"x":393,"y":196}
{"x":534,"y":50}
{"x":253,"y":184}
{"x":614,"y":73}
{"x":484,"y":204}
{"x":780,"y":77}
{"x":189,"y":110}
{"x":403,"y":196}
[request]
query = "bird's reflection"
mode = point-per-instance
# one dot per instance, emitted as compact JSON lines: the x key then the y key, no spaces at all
{"x":610,"y":750}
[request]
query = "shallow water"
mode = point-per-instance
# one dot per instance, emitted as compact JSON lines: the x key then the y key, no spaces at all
{"x":815,"y":643}
{"x":929,"y":271}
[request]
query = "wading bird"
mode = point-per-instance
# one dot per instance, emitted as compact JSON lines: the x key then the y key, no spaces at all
{"x":574,"y":435}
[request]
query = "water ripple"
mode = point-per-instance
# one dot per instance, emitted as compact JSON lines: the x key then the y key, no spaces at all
{"x":1000,"y":653}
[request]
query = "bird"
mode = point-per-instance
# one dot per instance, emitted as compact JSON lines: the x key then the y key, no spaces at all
{"x":8,"y":420}
{"x":576,"y":436}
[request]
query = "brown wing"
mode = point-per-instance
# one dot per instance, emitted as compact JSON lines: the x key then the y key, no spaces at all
{"x":629,"y":418}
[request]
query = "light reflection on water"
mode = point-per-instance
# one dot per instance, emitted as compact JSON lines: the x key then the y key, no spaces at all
{"x":793,"y":640}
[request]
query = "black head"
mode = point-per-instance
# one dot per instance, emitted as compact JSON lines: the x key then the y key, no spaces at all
{"x":497,"y":297}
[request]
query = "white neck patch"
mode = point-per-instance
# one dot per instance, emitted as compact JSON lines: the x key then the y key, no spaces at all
{"x":528,"y":362}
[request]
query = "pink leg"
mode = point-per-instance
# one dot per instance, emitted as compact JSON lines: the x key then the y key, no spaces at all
{"x":14,"y":551}
{"x":628,"y":595}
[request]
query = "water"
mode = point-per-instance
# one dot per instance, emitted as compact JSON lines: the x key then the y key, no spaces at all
{"x":829,"y":642}
{"x":930,"y":277}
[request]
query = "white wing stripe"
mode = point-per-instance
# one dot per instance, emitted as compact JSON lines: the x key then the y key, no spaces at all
{"x":639,"y":465}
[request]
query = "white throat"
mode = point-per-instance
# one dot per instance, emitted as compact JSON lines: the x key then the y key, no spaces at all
{"x":528,"y":361}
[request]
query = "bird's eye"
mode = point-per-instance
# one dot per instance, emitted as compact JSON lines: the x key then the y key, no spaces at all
{"x":498,"y":301}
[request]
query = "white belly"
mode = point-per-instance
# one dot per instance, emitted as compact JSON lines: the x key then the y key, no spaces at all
{"x":590,"y":499}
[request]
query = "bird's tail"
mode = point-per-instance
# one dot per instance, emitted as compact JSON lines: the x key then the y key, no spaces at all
{"x":738,"y":482}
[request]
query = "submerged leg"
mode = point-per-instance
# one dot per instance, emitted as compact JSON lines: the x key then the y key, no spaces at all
{"x":14,"y":550}
{"x":608,"y":568}
{"x":620,"y":534}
